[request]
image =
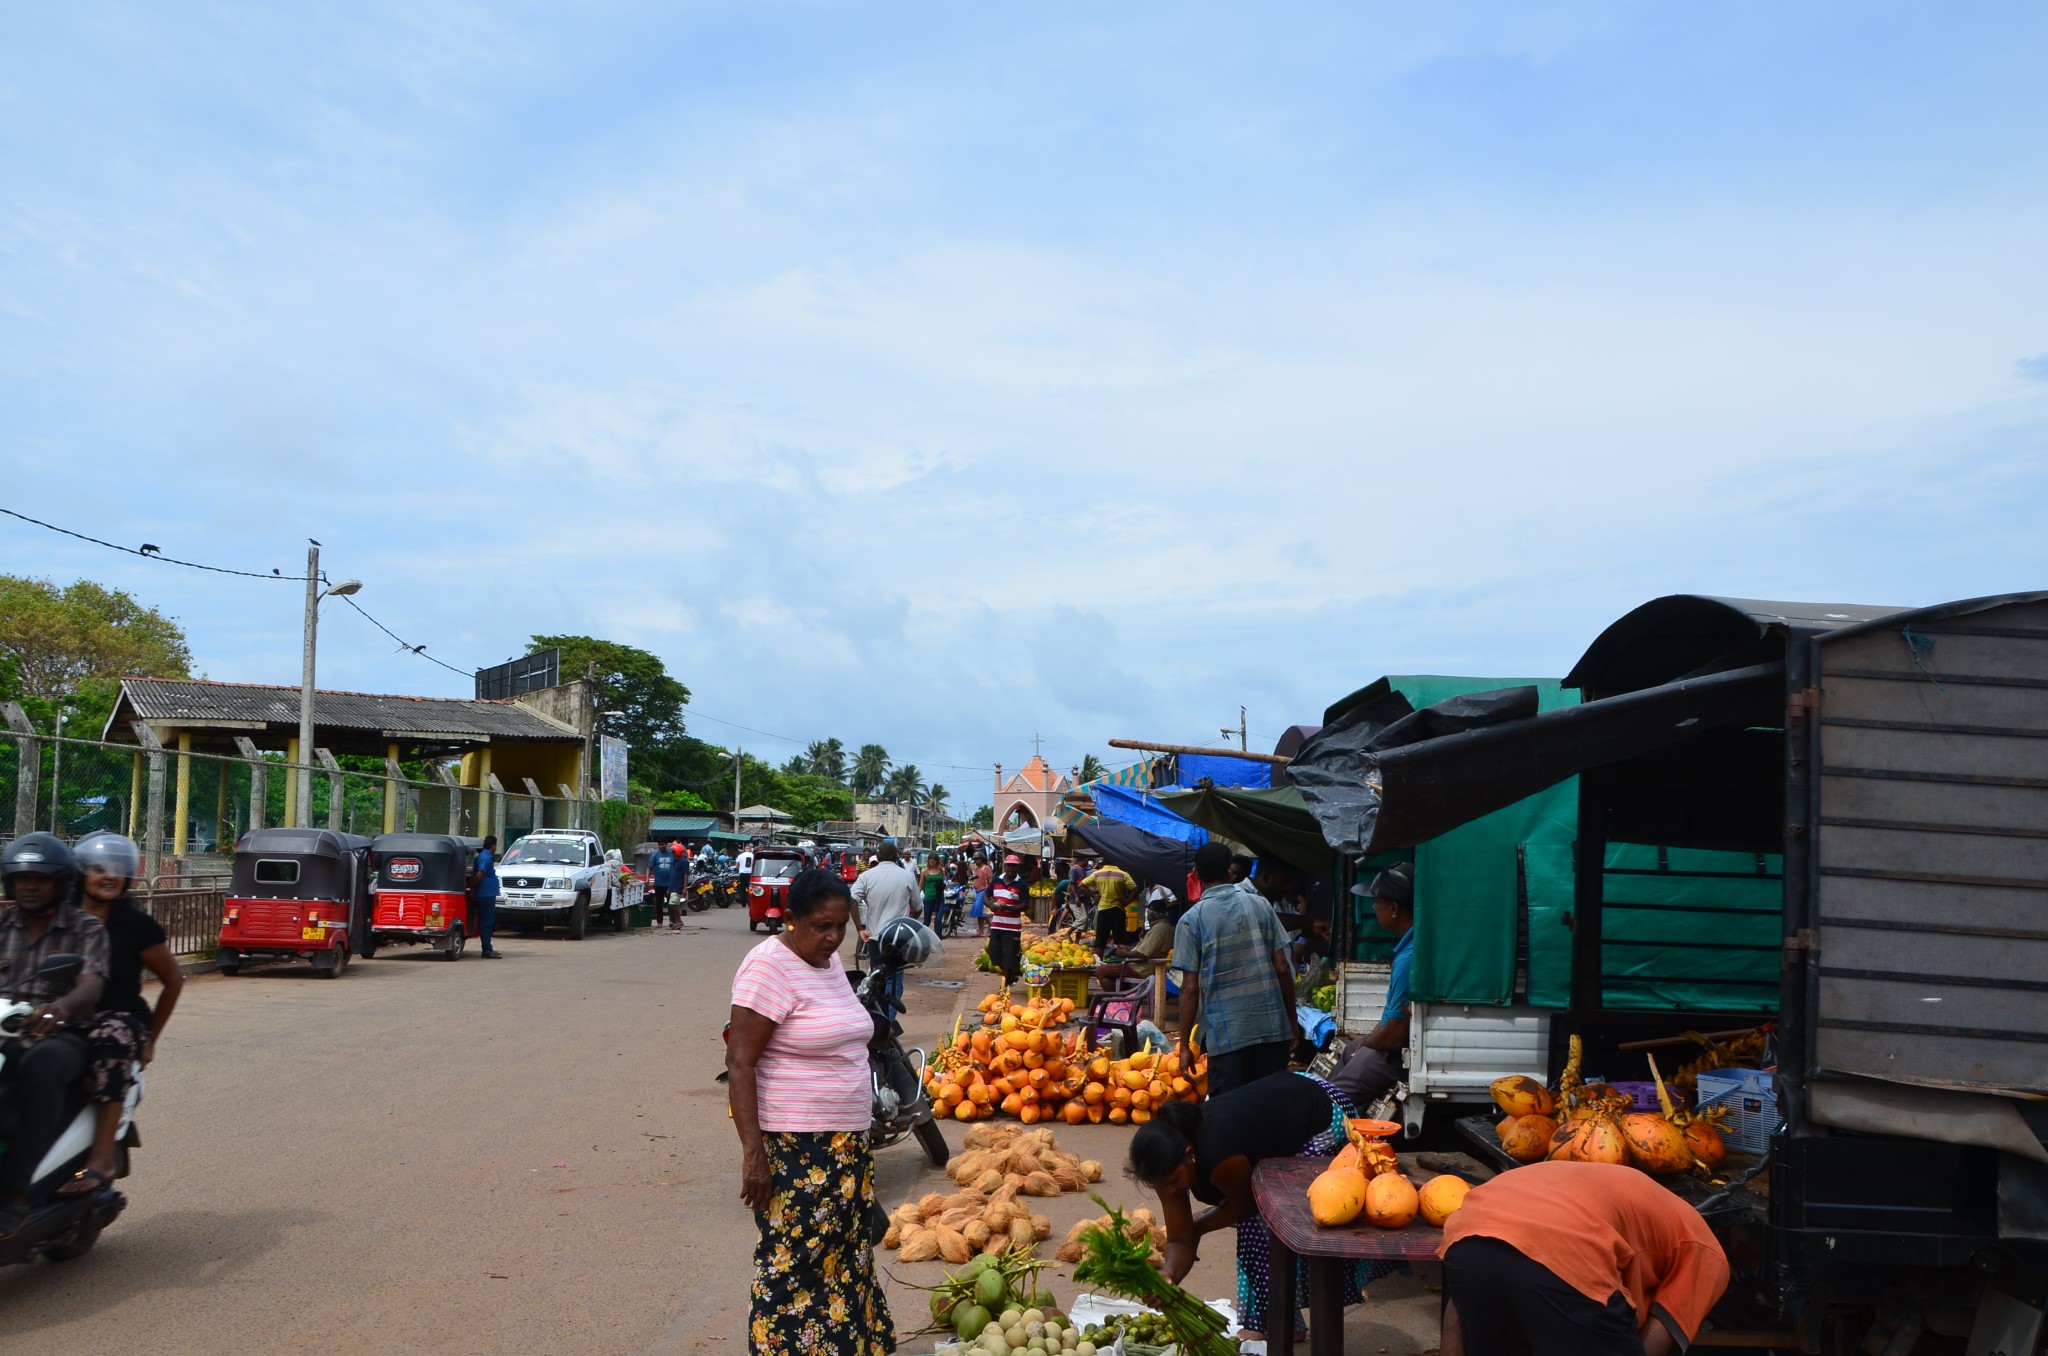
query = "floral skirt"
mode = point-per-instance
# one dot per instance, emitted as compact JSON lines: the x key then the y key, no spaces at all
{"x":815,"y":1290}
{"x":1254,"y":1244}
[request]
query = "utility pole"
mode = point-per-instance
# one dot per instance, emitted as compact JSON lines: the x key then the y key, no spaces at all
{"x":1242,"y":746}
{"x":739,"y":759}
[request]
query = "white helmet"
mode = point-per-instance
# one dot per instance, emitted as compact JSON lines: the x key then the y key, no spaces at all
{"x":113,"y":853}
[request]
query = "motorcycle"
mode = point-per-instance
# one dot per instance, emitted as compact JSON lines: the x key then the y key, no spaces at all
{"x":901,"y":1106}
{"x":62,"y":1228}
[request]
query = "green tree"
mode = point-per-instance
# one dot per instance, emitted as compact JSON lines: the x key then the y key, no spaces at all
{"x":870,"y":769}
{"x":635,"y":684}
{"x":984,"y":818}
{"x":824,"y":758}
{"x":935,"y":796}
{"x":1092,"y":769}
{"x":906,"y":784}
{"x":68,"y":648}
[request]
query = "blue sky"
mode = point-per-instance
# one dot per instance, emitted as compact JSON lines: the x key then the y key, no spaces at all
{"x":942,"y":375}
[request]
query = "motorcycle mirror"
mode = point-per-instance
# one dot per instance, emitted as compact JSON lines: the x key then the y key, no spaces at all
{"x":61,"y":968}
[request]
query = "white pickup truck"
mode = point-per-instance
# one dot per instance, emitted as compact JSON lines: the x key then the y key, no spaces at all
{"x":561,"y":877}
{"x":1455,"y":1050}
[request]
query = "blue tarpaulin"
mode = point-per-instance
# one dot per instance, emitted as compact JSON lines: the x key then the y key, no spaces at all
{"x":1220,"y":770}
{"x":1143,"y":812}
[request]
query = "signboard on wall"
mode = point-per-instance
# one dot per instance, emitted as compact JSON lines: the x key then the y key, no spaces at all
{"x":502,"y":682}
{"x":611,"y":779}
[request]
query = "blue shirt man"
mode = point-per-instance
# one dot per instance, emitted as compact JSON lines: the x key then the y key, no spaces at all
{"x":1372,"y":1063}
{"x":486,"y":896}
{"x":1235,"y":981}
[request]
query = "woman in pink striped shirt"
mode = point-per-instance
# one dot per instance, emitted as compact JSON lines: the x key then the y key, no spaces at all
{"x":797,"y":1065}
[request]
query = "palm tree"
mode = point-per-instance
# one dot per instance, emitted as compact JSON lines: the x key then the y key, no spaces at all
{"x":870,"y":769}
{"x":906,"y":784}
{"x":935,"y":796}
{"x":1092,"y":769}
{"x":825,"y":758}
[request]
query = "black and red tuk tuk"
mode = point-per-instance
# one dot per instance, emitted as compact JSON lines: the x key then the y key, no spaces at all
{"x":421,"y":891}
{"x":296,"y":892}
{"x":768,"y":886}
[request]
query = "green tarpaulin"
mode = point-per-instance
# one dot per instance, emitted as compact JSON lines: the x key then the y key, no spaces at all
{"x":1272,"y":822}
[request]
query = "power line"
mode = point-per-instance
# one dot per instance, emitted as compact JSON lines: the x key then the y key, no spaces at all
{"x":149,"y":552}
{"x":419,"y":650}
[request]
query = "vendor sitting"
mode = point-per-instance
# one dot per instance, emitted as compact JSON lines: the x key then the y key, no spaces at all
{"x":1207,"y":1150}
{"x":1576,"y":1259}
{"x":1123,"y":966}
{"x":1371,"y":1065}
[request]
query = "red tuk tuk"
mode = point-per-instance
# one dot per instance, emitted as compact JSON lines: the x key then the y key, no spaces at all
{"x":296,"y":892}
{"x":768,"y":887}
{"x":421,"y":891}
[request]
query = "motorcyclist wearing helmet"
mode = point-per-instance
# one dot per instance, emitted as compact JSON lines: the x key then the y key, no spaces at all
{"x":124,"y":1030}
{"x":41,"y":921}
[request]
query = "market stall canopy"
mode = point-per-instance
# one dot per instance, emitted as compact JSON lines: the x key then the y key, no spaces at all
{"x":1151,"y":859}
{"x":1223,"y":770}
{"x":1375,"y":785}
{"x":1271,"y":821}
{"x":1147,"y":813}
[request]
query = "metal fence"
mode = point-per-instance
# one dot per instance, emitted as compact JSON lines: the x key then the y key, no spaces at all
{"x":188,"y":809}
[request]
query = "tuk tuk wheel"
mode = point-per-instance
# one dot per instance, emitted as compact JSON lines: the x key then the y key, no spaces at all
{"x":369,"y":945}
{"x":451,"y":949}
{"x":328,"y":964}
{"x":752,"y":926}
{"x":228,"y":962}
{"x":579,"y":917}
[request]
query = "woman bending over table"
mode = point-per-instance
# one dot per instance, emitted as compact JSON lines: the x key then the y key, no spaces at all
{"x":1207,"y":1150}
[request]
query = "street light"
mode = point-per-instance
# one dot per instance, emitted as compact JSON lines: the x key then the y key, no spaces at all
{"x":314,"y":593}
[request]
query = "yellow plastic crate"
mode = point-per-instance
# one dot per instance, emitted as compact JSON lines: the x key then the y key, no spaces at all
{"x":1065,"y":984}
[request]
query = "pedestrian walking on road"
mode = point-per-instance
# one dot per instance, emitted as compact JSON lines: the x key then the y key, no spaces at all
{"x":797,"y":1072}
{"x":1235,"y":980}
{"x":984,"y":880}
{"x":485,"y":873}
{"x":663,"y":872}
{"x":883,"y":893}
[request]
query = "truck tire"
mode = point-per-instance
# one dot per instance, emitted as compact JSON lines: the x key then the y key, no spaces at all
{"x":579,"y":917}
{"x":934,"y":1142}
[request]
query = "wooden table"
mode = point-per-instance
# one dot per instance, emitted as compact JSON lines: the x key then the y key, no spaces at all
{"x":1280,"y":1187}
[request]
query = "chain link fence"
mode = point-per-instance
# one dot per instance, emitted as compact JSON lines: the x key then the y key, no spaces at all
{"x":188,"y":809}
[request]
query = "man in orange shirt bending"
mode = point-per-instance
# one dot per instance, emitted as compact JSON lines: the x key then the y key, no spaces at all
{"x":1577,"y":1259}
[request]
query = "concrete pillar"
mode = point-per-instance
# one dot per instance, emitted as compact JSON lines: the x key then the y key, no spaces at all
{"x":181,"y":829}
{"x":220,"y":803}
{"x":454,"y":785}
{"x":28,"y":767}
{"x":540,"y":806}
{"x":135,"y":794}
{"x":153,"y":817}
{"x":486,"y":822}
{"x":291,"y":780}
{"x":259,"y":799}
{"x":571,"y":805}
{"x":391,"y":788}
{"x":336,"y":791}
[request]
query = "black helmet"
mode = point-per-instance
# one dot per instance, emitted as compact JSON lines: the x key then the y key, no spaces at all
{"x":906,"y":942}
{"x":39,"y":854}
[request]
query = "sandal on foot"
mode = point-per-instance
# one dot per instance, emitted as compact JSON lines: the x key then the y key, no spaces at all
{"x":84,"y":1182}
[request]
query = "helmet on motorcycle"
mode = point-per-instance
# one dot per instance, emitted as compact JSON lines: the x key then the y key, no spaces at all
{"x":113,"y":853}
{"x":906,"y":942}
{"x":39,"y":854}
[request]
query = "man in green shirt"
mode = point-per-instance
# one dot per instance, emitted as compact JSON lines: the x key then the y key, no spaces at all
{"x":1115,"y":895}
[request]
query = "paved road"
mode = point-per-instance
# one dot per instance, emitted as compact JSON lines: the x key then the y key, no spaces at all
{"x":490,"y":1157}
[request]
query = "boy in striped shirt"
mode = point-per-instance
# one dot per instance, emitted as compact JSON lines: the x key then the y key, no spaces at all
{"x":1006,"y":919}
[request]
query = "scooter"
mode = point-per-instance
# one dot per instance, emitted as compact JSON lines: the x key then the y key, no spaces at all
{"x":62,"y":1228}
{"x":902,"y":1106}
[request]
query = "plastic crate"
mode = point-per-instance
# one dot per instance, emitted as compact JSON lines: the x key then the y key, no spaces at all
{"x":1065,"y":984}
{"x":1751,"y":1097}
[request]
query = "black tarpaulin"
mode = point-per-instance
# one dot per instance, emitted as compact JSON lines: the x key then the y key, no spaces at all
{"x":1151,"y":859}
{"x":1374,"y":787}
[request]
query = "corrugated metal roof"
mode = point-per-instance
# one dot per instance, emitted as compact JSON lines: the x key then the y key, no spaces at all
{"x":681,"y":824}
{"x":175,"y":701}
